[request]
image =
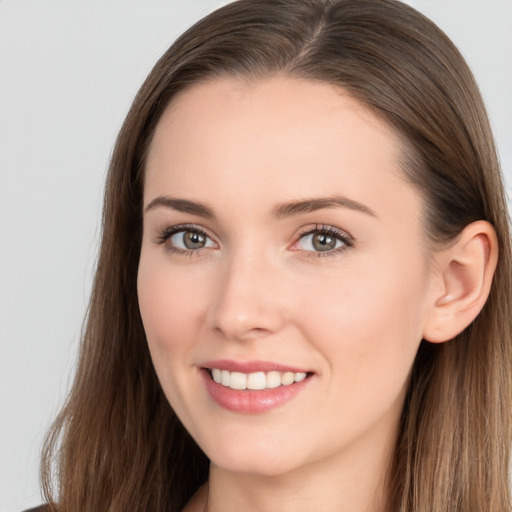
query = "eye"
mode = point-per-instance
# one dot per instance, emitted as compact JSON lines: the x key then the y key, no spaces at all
{"x":190,"y":240}
{"x":185,"y":239}
{"x":323,"y":239}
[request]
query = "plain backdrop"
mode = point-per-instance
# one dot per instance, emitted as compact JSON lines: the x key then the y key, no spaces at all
{"x":68,"y":72}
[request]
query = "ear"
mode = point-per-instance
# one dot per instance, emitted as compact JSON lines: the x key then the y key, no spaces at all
{"x":464,"y":273}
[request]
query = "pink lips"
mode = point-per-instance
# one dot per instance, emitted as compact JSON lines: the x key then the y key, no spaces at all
{"x":251,"y":401}
{"x":251,"y":366}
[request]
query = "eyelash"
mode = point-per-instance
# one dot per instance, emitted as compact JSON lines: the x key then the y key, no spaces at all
{"x":336,"y":233}
{"x":170,"y":231}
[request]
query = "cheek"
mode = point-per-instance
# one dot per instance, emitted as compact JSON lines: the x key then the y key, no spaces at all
{"x":368,"y":326}
{"x":171,"y":314}
{"x":170,"y":308}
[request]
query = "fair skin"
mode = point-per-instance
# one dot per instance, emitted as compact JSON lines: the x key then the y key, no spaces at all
{"x":341,"y":290}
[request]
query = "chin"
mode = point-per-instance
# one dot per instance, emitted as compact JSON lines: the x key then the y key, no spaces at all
{"x":261,"y":466}
{"x":269,"y":457}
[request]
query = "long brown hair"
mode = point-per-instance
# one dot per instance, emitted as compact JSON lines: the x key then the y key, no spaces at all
{"x":117,"y":445}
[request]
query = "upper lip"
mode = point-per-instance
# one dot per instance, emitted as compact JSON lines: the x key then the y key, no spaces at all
{"x":251,"y":366}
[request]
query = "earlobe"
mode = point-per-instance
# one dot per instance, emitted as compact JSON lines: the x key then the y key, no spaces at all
{"x":465,"y":271}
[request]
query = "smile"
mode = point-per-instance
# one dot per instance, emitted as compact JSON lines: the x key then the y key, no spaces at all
{"x":253,"y":387}
{"x":255,"y":380}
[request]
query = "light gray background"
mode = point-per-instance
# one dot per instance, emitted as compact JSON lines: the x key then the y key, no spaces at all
{"x":68,"y":72}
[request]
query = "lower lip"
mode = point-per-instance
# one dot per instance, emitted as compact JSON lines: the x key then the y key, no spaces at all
{"x":251,"y":401}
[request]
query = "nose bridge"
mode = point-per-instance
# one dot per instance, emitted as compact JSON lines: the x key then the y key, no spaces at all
{"x":249,"y":300}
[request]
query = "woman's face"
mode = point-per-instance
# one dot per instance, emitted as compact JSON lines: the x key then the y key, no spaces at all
{"x":281,"y":243}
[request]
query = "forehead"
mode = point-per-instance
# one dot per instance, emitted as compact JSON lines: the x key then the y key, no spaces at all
{"x":290,"y":109}
{"x":279,"y":139}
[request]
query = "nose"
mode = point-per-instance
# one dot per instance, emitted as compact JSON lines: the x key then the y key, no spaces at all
{"x":250,"y":299}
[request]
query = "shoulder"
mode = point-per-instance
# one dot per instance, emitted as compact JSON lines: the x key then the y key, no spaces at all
{"x":41,"y":508}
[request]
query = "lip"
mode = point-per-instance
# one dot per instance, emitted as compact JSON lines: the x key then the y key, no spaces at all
{"x":252,"y":366}
{"x":250,"y":401}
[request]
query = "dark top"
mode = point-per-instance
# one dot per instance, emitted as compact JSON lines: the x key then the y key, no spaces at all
{"x":41,"y":508}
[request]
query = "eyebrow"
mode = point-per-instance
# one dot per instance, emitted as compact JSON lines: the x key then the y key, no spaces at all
{"x":181,"y":205}
{"x":279,"y":212}
{"x":310,"y":205}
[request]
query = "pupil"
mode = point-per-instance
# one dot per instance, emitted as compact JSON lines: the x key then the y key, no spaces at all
{"x":193,"y":240}
{"x":323,"y":242}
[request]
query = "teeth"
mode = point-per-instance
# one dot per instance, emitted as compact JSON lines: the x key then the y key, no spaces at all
{"x":238,"y":380}
{"x":287,"y":378}
{"x":217,"y":375}
{"x":257,"y":380}
{"x":273,"y":379}
{"x":299,"y":376}
{"x":225,"y":378}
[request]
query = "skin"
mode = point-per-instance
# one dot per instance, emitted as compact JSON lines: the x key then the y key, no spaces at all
{"x":259,"y":290}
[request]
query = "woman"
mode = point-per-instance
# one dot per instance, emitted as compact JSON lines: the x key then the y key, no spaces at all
{"x":299,"y":300}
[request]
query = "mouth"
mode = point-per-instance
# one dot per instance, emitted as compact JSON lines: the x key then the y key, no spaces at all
{"x":253,"y":387}
{"x":256,"y":381}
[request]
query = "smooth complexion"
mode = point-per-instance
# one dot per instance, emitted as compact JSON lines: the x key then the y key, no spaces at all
{"x":340,"y":288}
